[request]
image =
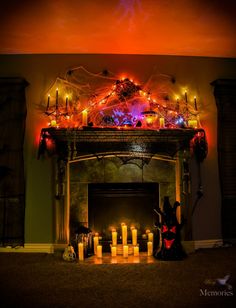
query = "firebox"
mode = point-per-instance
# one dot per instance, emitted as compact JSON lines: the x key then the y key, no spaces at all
{"x":111,"y":204}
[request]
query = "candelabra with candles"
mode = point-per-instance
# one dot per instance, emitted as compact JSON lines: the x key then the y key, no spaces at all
{"x":57,"y":110}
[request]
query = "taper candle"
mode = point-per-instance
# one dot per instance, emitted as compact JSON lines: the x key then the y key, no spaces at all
{"x":177,"y":104}
{"x":124,"y":234}
{"x":134,"y":236}
{"x":186,"y":100}
{"x":150,"y":237}
{"x":66,"y":103}
{"x":48,"y":104}
{"x":186,"y":96}
{"x":114,"y":238}
{"x":195,"y":103}
{"x":84,"y":117}
{"x":57,"y":99}
{"x":95,"y":243}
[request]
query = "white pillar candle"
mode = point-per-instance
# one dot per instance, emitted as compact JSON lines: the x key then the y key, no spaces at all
{"x":81,"y":251}
{"x":162,"y":122}
{"x":150,"y":237}
{"x":134,"y":236}
{"x":136,"y":251}
{"x":95,"y":243}
{"x":149,"y":248}
{"x":85,"y":117}
{"x":125,"y":251}
{"x":124,"y":234}
{"x":114,"y":238}
{"x":53,"y":123}
{"x":192,"y":123}
{"x":113,"y":251}
{"x":99,"y":251}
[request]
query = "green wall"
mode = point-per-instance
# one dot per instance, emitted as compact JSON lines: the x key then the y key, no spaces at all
{"x":41,"y":70}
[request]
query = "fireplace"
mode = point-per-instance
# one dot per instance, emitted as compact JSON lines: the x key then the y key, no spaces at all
{"x":109,"y":191}
{"x":111,"y":204}
{"x":94,"y":165}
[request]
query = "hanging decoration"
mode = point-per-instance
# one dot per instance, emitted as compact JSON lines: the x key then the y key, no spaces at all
{"x":200,"y":146}
{"x":83,"y":99}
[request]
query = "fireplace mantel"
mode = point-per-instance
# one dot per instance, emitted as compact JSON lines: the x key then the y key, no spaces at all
{"x":71,"y":143}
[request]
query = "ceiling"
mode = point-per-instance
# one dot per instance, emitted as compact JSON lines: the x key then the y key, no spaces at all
{"x":177,"y":27}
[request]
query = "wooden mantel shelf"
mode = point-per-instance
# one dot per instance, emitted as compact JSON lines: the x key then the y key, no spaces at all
{"x":108,"y":140}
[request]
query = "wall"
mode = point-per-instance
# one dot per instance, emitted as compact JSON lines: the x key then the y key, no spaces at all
{"x":41,"y":70}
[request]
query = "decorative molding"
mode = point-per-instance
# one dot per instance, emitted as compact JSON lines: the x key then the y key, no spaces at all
{"x":208,"y":243}
{"x":189,"y":246}
{"x":59,"y":246}
{"x":32,"y":247}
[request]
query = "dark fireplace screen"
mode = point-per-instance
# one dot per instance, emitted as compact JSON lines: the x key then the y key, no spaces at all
{"x":111,"y":204}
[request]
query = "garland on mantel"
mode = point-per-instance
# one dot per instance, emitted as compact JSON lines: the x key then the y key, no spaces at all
{"x":102,"y":100}
{"x":83,"y":100}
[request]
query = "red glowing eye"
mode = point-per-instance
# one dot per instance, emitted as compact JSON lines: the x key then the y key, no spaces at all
{"x":173,"y":229}
{"x":164,"y":229}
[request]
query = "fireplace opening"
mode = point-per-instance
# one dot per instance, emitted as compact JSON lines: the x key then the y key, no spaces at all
{"x":111,"y":204}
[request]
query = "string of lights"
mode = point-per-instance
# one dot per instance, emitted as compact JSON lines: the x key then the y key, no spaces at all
{"x":102,"y":100}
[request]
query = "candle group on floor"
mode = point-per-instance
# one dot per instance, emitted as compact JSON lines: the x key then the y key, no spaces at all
{"x":125,"y":246}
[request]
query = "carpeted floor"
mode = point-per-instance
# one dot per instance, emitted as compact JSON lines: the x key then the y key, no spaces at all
{"x":41,"y":280}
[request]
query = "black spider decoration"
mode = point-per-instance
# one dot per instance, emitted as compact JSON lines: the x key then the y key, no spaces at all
{"x":126,"y":89}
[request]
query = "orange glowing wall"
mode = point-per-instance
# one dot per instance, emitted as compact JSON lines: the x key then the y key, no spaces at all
{"x":184,"y":27}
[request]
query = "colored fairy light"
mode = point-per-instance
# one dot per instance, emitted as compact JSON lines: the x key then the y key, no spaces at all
{"x":120,"y":103}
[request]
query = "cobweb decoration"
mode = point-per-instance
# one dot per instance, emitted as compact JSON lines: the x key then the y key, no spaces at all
{"x":83,"y":99}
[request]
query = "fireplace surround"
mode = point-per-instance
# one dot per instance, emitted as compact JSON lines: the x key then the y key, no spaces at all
{"x":84,"y":158}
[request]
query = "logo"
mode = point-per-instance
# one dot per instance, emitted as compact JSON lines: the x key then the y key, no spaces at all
{"x":221,"y":287}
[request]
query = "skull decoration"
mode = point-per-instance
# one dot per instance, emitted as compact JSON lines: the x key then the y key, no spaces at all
{"x":69,"y":253}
